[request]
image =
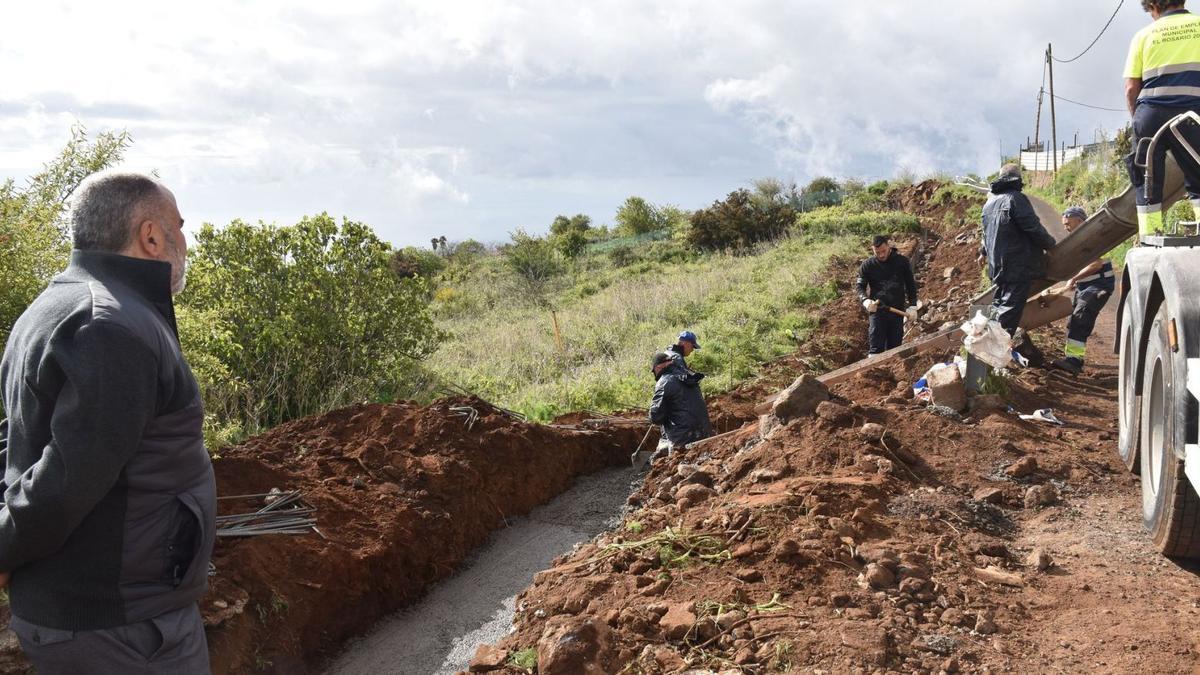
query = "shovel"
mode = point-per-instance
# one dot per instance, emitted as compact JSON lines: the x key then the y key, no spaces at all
{"x":639,"y":456}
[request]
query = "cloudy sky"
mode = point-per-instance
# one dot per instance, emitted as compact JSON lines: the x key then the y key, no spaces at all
{"x":470,"y":118}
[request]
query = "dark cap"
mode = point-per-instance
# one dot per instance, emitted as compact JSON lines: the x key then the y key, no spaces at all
{"x":1075,"y":212}
{"x":657,"y":360}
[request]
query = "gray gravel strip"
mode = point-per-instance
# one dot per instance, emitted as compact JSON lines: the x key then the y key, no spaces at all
{"x":476,"y":606}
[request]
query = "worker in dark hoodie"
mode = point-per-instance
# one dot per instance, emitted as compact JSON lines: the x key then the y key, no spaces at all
{"x":678,"y":405}
{"x":1015,"y":243}
{"x":885,"y":281}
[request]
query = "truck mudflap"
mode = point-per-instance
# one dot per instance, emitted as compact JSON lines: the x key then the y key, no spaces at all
{"x":1191,"y":460}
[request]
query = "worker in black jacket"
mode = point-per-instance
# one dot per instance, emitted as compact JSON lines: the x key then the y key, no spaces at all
{"x":678,"y":404}
{"x":885,"y":280}
{"x":1015,"y":243}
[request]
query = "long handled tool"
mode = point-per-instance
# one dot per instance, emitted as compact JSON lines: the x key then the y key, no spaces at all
{"x":639,"y":456}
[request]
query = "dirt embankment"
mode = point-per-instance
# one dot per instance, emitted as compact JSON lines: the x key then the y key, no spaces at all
{"x":403,"y":493}
{"x":878,"y":536}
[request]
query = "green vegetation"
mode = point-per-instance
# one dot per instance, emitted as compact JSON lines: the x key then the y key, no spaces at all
{"x":284,"y":322}
{"x":524,"y":658}
{"x":280,"y":322}
{"x":843,"y":220}
{"x":34,"y":237}
{"x":613,"y":315}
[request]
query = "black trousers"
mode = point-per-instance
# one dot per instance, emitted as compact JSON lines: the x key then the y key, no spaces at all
{"x":1009,"y":302}
{"x":1147,"y":120}
{"x":884,"y":331}
{"x":1089,"y":300}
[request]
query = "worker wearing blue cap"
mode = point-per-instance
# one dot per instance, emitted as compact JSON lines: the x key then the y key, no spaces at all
{"x":678,"y":405}
{"x":684,"y":345}
{"x":1093,"y":285}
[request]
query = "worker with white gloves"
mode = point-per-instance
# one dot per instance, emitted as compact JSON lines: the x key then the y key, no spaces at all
{"x":886,"y":283}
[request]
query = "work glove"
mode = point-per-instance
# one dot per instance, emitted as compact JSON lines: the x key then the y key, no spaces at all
{"x":870,"y":305}
{"x":911,"y":313}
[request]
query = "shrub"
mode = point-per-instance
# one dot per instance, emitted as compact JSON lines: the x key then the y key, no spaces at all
{"x":570,"y":235}
{"x":411,"y":262}
{"x":737,"y":222}
{"x":286,"y":322}
{"x":620,"y":256}
{"x":638,"y":216}
{"x":533,"y":261}
{"x":842,"y":221}
{"x":34,"y":243}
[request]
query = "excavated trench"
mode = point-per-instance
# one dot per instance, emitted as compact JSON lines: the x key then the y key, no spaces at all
{"x":476,"y":605}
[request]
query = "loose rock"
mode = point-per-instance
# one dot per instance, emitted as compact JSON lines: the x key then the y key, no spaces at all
{"x":1022,"y":467}
{"x":571,"y":646}
{"x":678,"y":620}
{"x":877,"y":577}
{"x":1040,"y":495}
{"x":488,"y":658}
{"x":989,"y":495}
{"x":1039,"y":560}
{"x":800,"y":399}
{"x":835,"y":413}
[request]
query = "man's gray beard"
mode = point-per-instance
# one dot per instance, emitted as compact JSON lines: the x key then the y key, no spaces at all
{"x":177,"y":285}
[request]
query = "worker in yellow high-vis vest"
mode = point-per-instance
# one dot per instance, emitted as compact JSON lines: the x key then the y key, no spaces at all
{"x":1162,"y":80}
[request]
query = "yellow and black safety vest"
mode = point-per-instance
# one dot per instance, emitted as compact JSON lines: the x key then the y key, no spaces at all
{"x":1166,"y":56}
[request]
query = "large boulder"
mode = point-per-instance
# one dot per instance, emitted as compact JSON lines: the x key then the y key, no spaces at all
{"x":800,"y":399}
{"x":946,"y":388}
{"x":574,"y":646}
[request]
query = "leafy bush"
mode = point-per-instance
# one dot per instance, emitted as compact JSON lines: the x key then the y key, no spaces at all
{"x":621,"y":256}
{"x":839,"y":220}
{"x":737,"y":222}
{"x":820,"y":192}
{"x":34,"y":237}
{"x":533,"y":261}
{"x":570,"y":235}
{"x":285,"y":322}
{"x":410,"y":262}
{"x":638,"y":216}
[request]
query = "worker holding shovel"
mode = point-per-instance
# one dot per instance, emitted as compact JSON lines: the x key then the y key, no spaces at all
{"x":885,"y":285}
{"x":678,"y":405}
{"x":1093,"y":285}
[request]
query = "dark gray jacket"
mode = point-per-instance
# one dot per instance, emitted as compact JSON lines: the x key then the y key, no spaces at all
{"x":109,"y":497}
{"x":891,"y":281}
{"x":1013,"y":238}
{"x":679,"y":406}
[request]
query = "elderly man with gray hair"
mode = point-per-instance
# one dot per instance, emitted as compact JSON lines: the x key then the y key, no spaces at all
{"x":107,"y":521}
{"x":1014,"y":242}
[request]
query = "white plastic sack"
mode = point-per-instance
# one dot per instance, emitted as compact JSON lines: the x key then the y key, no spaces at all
{"x":987,"y":341}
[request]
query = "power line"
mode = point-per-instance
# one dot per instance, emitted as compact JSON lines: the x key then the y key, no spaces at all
{"x":1102,"y":30}
{"x":1088,"y":105}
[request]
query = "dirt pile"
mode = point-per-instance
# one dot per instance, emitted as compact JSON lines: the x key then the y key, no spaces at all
{"x":403,"y":493}
{"x":863,"y":536}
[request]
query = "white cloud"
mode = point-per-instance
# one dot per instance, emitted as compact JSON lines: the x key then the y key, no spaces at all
{"x":472,"y":117}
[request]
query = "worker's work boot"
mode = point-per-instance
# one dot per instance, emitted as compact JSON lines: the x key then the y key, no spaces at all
{"x":1070,"y":364}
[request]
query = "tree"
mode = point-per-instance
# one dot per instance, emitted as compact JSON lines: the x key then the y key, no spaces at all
{"x":533,"y":261}
{"x":570,"y":235}
{"x":638,"y":216}
{"x":306,"y":318}
{"x":34,"y":236}
{"x":738,"y":222}
{"x":821,"y":191}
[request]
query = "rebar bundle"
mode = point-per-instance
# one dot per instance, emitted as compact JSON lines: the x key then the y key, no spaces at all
{"x":284,"y":513}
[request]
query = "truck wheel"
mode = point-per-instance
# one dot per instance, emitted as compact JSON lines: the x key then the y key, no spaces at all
{"x":1170,"y":506}
{"x":1128,"y":402}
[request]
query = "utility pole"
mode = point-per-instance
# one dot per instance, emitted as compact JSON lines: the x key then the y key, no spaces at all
{"x":1053,"y":118}
{"x":1037,"y":125}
